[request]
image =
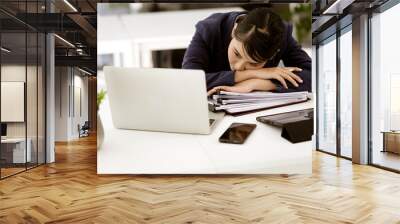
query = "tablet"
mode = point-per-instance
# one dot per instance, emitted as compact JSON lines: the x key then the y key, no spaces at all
{"x":289,"y":117}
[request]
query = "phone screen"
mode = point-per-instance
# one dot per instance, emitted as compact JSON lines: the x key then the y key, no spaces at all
{"x":237,"y":133}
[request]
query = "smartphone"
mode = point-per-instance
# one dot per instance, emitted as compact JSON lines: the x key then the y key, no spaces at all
{"x":237,"y":133}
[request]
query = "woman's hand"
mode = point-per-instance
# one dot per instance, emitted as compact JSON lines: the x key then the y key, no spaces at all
{"x":246,"y":86}
{"x":235,"y":88}
{"x":282,"y":74}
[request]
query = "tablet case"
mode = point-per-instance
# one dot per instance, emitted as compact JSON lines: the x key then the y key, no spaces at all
{"x":298,"y":131}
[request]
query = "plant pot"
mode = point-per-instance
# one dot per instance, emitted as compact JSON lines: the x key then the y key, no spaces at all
{"x":100,"y":132}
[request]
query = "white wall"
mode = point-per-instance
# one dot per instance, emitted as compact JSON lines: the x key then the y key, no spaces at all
{"x":385,"y":71}
{"x":33,"y":127}
{"x":10,"y":73}
{"x":61,"y":103}
{"x":79,"y":117}
{"x":70,"y":83}
{"x":12,"y":101}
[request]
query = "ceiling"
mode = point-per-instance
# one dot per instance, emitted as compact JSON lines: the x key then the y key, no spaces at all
{"x":74,"y":22}
{"x":332,"y":15}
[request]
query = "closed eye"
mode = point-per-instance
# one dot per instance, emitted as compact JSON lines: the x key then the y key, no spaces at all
{"x":254,"y":64}
{"x":237,"y":54}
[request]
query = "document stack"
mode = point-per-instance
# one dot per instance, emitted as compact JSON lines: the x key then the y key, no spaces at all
{"x":238,"y":103}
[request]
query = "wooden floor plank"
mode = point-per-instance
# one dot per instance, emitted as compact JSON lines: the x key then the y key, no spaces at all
{"x":70,"y":191}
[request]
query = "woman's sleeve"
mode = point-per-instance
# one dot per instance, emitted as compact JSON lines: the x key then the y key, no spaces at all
{"x":197,"y":57}
{"x":294,"y":56}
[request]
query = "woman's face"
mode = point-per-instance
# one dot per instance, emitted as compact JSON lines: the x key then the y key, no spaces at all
{"x":238,"y":58}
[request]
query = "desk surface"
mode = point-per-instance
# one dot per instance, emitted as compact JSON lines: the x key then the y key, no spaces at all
{"x":143,"y":152}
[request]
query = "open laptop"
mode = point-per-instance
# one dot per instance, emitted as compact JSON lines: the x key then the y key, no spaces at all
{"x":159,"y":99}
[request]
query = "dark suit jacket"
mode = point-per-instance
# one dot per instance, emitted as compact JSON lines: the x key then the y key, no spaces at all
{"x":208,"y":51}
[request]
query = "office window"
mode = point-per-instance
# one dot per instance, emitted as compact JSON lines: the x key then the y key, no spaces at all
{"x":327,"y":95}
{"x":22,"y":93}
{"x":13,"y":86}
{"x":385,"y":89}
{"x":346,"y":92}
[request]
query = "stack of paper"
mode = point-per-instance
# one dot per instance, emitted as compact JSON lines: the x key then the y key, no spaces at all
{"x":234,"y":103}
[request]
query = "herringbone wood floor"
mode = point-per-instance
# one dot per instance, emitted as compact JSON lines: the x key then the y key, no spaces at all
{"x":69,"y":191}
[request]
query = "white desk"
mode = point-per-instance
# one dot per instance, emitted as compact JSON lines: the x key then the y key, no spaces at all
{"x":19,"y":149}
{"x":142,"y":152}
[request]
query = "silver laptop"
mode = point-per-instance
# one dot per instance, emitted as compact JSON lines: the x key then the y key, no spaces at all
{"x":159,"y":99}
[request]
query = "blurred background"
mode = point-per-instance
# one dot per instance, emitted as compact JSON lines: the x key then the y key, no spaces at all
{"x":157,"y":34}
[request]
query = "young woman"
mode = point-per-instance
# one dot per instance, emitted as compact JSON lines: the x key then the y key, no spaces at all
{"x":240,"y":52}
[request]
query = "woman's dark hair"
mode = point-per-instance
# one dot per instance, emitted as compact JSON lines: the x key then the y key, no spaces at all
{"x":261,"y":32}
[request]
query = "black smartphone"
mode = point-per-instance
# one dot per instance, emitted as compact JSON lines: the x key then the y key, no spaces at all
{"x":237,"y":133}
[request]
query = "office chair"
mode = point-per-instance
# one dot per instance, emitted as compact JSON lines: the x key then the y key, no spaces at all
{"x":84,"y":130}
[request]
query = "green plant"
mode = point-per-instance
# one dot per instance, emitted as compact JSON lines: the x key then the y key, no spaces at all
{"x":300,"y":16}
{"x":100,"y":97}
{"x":303,"y":25}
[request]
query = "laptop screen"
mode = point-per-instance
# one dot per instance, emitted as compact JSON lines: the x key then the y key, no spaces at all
{"x":3,"y":129}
